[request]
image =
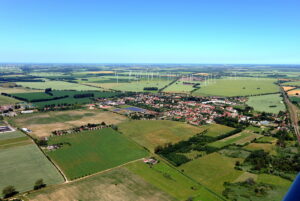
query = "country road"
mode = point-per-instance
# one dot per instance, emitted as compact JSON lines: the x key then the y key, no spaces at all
{"x":293,"y":110}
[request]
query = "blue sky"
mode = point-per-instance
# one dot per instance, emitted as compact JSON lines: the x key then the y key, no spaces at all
{"x":153,"y":31}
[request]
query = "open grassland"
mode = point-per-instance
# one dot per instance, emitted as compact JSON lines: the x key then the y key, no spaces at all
{"x":42,"y":124}
{"x":140,"y":85}
{"x":238,"y":87}
{"x":267,"y":139}
{"x":118,"y":185}
{"x":238,"y":139}
{"x":89,"y":152}
{"x":171,"y":181}
{"x":22,"y":163}
{"x":295,"y":83}
{"x":4,"y":100}
{"x":17,"y":90}
{"x":215,"y":130}
{"x":212,"y":170}
{"x":271,"y":103}
{"x":281,"y":186}
{"x":179,"y":87}
{"x":56,"y":98}
{"x":150,"y":134}
{"x":57,"y":85}
{"x":271,"y":148}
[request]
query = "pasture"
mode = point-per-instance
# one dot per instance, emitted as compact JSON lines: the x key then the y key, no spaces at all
{"x":138,"y":86}
{"x":294,"y":83}
{"x":170,"y":180}
{"x":4,"y":100}
{"x":272,"y":103}
{"x":17,"y":90}
{"x":57,"y":85}
{"x":216,"y":130}
{"x":56,"y":98}
{"x":271,"y":148}
{"x":117,"y":184}
{"x":212,"y":170}
{"x":42,"y":124}
{"x":22,"y":163}
{"x":238,"y":139}
{"x":89,"y":152}
{"x":150,"y":134}
{"x":238,"y":87}
{"x":180,"y":87}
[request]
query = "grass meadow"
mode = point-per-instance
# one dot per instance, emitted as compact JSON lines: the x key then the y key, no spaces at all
{"x":149,"y":133}
{"x":272,"y":103}
{"x":4,"y":100}
{"x":22,"y":163}
{"x":212,"y":170}
{"x":89,"y":152}
{"x":238,"y":139}
{"x":57,"y":85}
{"x":238,"y":87}
{"x":171,"y":180}
{"x":118,"y":184}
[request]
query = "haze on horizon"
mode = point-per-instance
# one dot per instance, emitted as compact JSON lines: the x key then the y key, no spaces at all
{"x":115,"y":31}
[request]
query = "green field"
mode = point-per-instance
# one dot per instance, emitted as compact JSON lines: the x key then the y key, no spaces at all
{"x":4,"y":100}
{"x":272,"y":103}
{"x":22,"y":163}
{"x":212,"y":170}
{"x":149,"y":133}
{"x":117,"y":184}
{"x":215,"y":130}
{"x":89,"y":152}
{"x":171,"y":181}
{"x":238,"y":139}
{"x":139,"y":86}
{"x":42,"y":99}
{"x":179,"y":87}
{"x":238,"y":87}
{"x":296,"y":83}
{"x":57,"y":85}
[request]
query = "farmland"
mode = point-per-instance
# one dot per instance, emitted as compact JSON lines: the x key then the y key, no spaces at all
{"x":295,"y":92}
{"x":295,"y":83}
{"x":212,"y":170}
{"x":56,"y":98}
{"x":89,"y":152}
{"x":42,"y":124}
{"x":170,"y":180}
{"x":272,"y":103}
{"x":4,"y":100}
{"x":180,"y":87}
{"x":238,"y":87}
{"x":152,"y":133}
{"x":239,"y":139}
{"x":118,"y":184}
{"x":57,"y":85}
{"x":140,"y":85}
{"x":216,"y":130}
{"x":22,"y":163}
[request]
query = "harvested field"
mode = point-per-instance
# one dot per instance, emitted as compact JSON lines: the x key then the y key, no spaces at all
{"x":42,"y":124}
{"x":118,"y":185}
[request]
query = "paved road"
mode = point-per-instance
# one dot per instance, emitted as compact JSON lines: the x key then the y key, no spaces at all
{"x":293,"y":113}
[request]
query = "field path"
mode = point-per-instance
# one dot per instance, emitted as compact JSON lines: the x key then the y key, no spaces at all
{"x":293,"y":113}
